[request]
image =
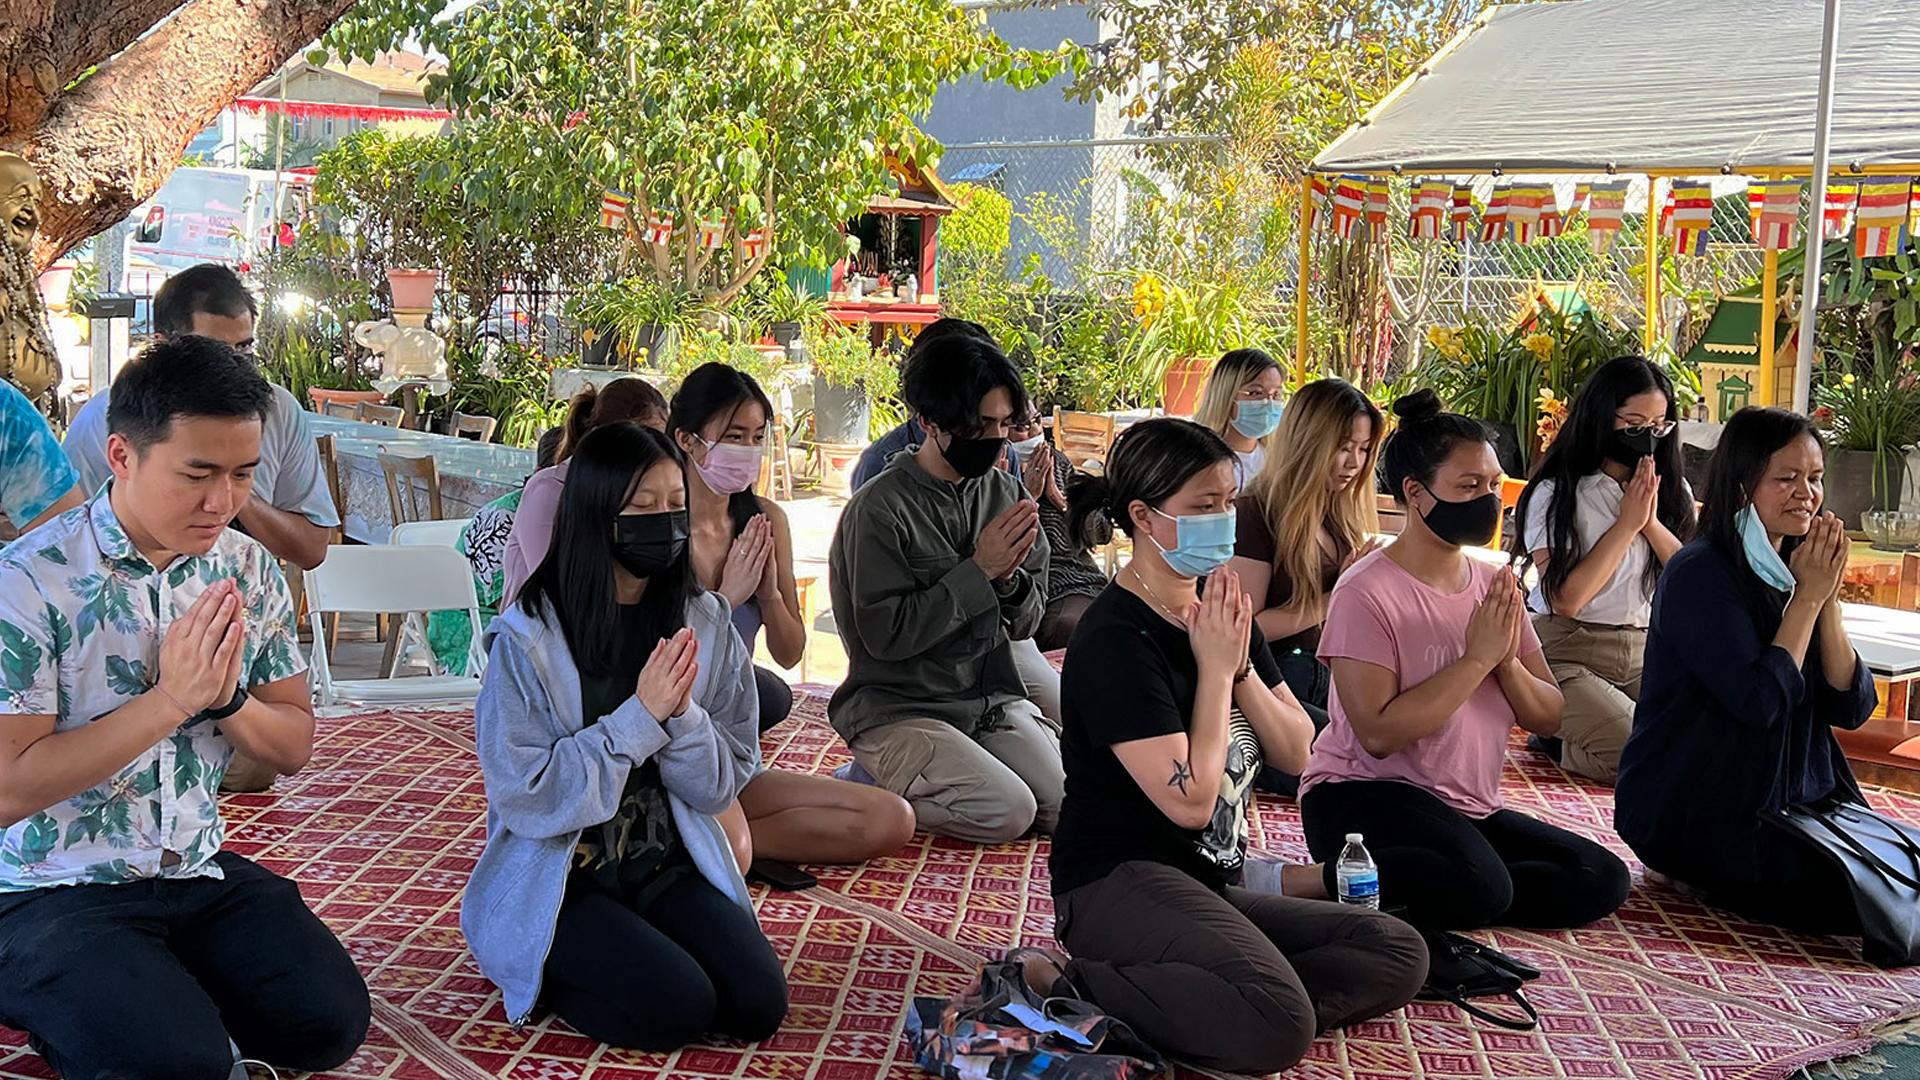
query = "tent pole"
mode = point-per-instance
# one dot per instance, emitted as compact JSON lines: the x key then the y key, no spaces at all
{"x":1300,"y":290}
{"x":1769,"y":327}
{"x":1650,"y":333}
{"x":1816,"y":236}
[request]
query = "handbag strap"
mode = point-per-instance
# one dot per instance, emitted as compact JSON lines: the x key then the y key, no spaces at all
{"x":1866,"y":854}
{"x":1467,"y":1006}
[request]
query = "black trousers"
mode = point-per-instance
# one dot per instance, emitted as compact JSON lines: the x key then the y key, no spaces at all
{"x":150,"y":979}
{"x":776,"y":697}
{"x":1442,"y":870}
{"x":1309,"y":680}
{"x":1236,"y":981}
{"x":690,"y":963}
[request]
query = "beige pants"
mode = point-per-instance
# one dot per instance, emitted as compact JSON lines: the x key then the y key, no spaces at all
{"x":989,"y":789}
{"x":1041,"y":679}
{"x":246,"y":775}
{"x":1598,"y":668}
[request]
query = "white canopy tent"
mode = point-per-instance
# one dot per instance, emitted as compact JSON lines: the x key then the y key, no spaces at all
{"x":1664,"y":88}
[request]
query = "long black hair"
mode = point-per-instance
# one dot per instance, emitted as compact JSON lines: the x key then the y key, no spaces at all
{"x":1579,"y":451}
{"x":1150,"y":462}
{"x":575,"y":583}
{"x":709,"y":391}
{"x":1425,"y":437}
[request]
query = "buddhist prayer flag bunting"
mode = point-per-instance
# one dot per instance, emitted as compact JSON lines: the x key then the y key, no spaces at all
{"x":1756,"y":199}
{"x":1552,"y":224}
{"x":1461,"y":217}
{"x":1776,"y":226}
{"x":659,"y":231}
{"x":613,"y":210}
{"x":713,"y":234}
{"x":1379,"y":202}
{"x":1882,"y":216}
{"x":1430,"y":202}
{"x":1524,"y":203}
{"x":1349,"y":202}
{"x":1319,"y":200}
{"x":1666,"y":212}
{"x":1837,"y":215}
{"x":1493,"y":223}
{"x":753,"y":244}
{"x":1692,"y":216}
{"x":1606,"y":209}
{"x":1581,"y":194}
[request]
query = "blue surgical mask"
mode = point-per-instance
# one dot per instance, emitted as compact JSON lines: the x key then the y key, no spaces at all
{"x":1257,"y":419}
{"x":1203,"y":544}
{"x":1761,"y":555}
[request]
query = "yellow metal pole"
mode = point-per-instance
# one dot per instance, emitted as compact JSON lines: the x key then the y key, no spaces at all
{"x":1769,"y":322}
{"x":1651,"y":333}
{"x":1306,"y":278}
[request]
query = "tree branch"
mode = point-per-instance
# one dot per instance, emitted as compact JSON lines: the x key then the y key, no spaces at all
{"x":113,"y":139}
{"x":88,"y":32}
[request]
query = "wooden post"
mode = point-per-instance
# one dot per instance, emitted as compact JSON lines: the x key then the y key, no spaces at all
{"x":1650,"y":334}
{"x":1306,"y":277}
{"x":929,"y":260}
{"x":1769,"y":327}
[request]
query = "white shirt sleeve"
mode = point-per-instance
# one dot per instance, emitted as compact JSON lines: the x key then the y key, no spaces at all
{"x":1534,"y":529}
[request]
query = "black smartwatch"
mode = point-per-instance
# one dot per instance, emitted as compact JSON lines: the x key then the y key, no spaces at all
{"x":234,"y":705}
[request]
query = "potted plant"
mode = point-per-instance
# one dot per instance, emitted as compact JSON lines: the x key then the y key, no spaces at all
{"x":1180,"y":333}
{"x":412,"y":289}
{"x":844,"y":362}
{"x":789,"y":309}
{"x":1871,"y":412}
{"x":631,"y":320}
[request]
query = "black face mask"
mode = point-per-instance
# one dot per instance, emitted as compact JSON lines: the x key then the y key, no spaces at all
{"x":645,"y":544}
{"x":1463,"y":523}
{"x":1628,"y":449}
{"x":973,"y":458}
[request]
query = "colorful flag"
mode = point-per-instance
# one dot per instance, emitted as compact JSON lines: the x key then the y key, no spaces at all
{"x":1461,"y":217}
{"x":1379,"y":202}
{"x":1692,"y":216}
{"x":659,"y":231}
{"x":613,"y":210}
{"x":1882,"y":217}
{"x":1837,"y":215}
{"x":1756,"y":201}
{"x":1493,"y":223}
{"x":1666,"y":211}
{"x":1524,"y":203}
{"x":753,"y":244}
{"x":1552,"y":223}
{"x":1349,"y":203}
{"x":1319,"y":200}
{"x":1606,"y":210}
{"x":1777,"y":226}
{"x":1581,"y":193}
{"x":1430,"y":199}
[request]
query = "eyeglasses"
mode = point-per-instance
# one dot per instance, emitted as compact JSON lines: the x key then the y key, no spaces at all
{"x":1254,"y":393}
{"x":1658,"y":430}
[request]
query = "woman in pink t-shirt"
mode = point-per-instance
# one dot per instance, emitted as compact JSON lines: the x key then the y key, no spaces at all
{"x":1434,"y":661}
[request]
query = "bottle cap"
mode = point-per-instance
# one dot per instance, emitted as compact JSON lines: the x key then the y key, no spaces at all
{"x":1355,"y":838}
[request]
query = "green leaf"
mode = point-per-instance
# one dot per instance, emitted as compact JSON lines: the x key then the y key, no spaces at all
{"x":126,"y":677}
{"x":20,"y":659}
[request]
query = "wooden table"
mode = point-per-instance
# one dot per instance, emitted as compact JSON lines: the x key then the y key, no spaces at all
{"x":472,"y":474}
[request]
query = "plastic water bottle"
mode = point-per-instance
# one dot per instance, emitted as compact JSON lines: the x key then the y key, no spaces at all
{"x":1357,"y":878}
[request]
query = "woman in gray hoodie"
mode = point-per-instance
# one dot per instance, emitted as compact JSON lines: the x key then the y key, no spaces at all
{"x":618,"y":715}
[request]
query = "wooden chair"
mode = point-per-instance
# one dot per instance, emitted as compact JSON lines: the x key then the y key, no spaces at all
{"x":383,"y":415}
{"x":296,"y":578}
{"x":1083,"y":437}
{"x":341,"y":410}
{"x":1510,"y":491}
{"x":776,"y":472}
{"x":413,"y":487}
{"x":478,"y":428}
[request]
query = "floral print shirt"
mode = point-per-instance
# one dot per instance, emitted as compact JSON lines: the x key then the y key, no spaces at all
{"x":34,"y":471}
{"x":82,"y":616}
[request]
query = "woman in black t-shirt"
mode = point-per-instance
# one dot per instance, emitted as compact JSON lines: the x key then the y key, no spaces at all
{"x":1171,"y":703}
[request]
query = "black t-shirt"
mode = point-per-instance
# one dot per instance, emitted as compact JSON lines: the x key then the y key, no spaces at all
{"x":1130,"y":674}
{"x":627,"y":853}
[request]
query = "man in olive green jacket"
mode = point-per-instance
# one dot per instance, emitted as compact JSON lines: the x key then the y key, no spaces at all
{"x":937,"y":565}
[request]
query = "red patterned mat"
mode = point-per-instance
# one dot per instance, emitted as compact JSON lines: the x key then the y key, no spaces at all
{"x":383,"y":829}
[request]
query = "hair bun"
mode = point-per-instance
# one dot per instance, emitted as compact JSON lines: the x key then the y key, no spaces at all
{"x":1419,"y":405}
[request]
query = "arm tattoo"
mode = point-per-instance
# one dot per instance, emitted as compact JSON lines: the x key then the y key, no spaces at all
{"x":1182,"y":773}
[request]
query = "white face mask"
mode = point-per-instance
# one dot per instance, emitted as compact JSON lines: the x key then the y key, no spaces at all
{"x":1028,"y":446}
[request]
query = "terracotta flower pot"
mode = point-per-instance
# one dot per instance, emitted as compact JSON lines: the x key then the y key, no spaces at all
{"x":1180,"y":387}
{"x":413,"y":289}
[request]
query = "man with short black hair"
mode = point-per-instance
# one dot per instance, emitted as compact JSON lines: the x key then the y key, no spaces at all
{"x":291,"y":510}
{"x":146,"y":642}
{"x":937,"y":566}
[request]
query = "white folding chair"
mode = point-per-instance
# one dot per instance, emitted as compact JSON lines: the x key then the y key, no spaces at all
{"x":386,"y":579}
{"x":416,"y":534}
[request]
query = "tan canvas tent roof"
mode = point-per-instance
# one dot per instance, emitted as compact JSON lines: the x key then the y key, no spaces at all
{"x":1681,"y":86}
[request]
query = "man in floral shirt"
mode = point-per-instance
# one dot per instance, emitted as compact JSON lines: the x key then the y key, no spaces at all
{"x":141,"y":643}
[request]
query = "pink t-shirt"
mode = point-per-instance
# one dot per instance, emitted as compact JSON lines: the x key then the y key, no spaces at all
{"x":1383,"y":615}
{"x":532,"y":531}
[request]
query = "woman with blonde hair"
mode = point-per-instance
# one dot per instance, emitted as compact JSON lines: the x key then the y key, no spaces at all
{"x":1305,"y":519}
{"x":1241,"y":403}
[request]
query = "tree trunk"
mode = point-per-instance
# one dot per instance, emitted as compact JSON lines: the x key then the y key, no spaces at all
{"x":112,"y":138}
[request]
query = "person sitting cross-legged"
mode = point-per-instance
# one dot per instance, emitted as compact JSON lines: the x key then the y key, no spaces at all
{"x":145,"y":643}
{"x":938,"y":565}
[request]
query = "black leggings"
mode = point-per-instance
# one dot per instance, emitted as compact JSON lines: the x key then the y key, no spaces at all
{"x":776,"y":697}
{"x":692,"y":963}
{"x":1441,"y":870}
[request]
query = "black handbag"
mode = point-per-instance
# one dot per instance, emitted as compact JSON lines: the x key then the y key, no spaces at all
{"x":1881,"y":860}
{"x":1461,"y":969}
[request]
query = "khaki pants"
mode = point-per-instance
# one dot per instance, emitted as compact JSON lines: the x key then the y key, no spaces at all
{"x":1598,"y":668}
{"x":989,"y":788}
{"x":1041,"y":679}
{"x":246,"y":775}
